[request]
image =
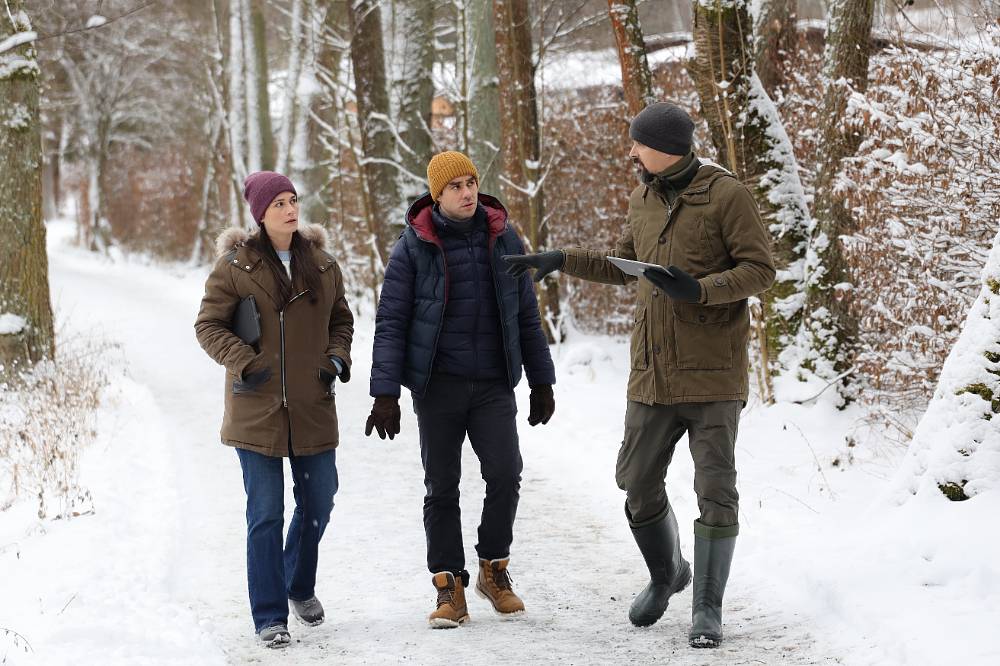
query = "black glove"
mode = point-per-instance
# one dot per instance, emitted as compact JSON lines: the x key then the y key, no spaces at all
{"x":384,"y":417}
{"x":543,"y":263}
{"x":543,"y":404}
{"x":677,"y":284}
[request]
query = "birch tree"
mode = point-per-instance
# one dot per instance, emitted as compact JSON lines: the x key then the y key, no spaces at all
{"x":25,"y":311}
{"x":234,"y":96}
{"x":636,"y":77}
{"x":752,"y":143}
{"x":848,"y":50}
{"x":523,"y":177}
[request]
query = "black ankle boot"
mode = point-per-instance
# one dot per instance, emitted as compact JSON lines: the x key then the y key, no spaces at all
{"x":712,"y":557}
{"x":669,"y":573}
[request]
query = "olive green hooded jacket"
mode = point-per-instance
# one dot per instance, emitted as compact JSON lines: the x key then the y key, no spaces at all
{"x":689,"y":352}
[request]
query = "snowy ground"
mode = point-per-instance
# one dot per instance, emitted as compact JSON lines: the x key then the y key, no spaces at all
{"x":827,"y":571}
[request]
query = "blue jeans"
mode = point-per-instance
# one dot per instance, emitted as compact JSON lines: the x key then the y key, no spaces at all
{"x":276,"y":574}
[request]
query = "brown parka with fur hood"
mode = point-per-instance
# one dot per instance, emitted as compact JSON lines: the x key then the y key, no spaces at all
{"x":282,"y":399}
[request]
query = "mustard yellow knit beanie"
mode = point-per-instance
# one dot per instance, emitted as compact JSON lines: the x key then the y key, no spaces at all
{"x":446,"y":167}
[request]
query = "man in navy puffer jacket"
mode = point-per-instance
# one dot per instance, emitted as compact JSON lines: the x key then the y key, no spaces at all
{"x":455,"y":328}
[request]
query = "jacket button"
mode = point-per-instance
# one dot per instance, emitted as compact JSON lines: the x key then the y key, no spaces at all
{"x":701,"y":318}
{"x":248,"y":267}
{"x":719,"y":282}
{"x":656,"y":292}
{"x":662,"y":240}
{"x":656,"y":349}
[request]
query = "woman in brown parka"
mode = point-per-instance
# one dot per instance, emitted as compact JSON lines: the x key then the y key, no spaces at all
{"x":280,"y":392}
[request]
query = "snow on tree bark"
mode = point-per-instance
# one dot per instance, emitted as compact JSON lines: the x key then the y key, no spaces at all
{"x":292,"y":97}
{"x":484,"y":102}
{"x":636,"y":78}
{"x":236,"y":104}
{"x":378,"y":157}
{"x":249,"y":87}
{"x":24,"y":278}
{"x":848,"y":49}
{"x":752,"y":143}
{"x":322,"y":118}
{"x":415,"y":88}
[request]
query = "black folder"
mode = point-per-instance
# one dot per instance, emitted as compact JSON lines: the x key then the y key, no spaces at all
{"x":246,"y":321}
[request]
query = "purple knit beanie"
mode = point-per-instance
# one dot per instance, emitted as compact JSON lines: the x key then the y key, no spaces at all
{"x":261,"y":187}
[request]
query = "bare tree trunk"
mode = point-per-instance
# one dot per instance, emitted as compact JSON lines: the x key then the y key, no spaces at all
{"x":776,"y":41}
{"x":848,"y":49}
{"x":636,"y":77}
{"x":484,"y":103}
{"x":290,"y":113}
{"x":323,"y":120}
{"x":251,"y":108}
{"x":26,"y":334}
{"x":752,"y":143}
{"x":416,"y":91}
{"x":202,"y":249}
{"x":381,"y":177}
{"x":260,"y":97}
{"x":522,"y":177}
{"x":235,"y":99}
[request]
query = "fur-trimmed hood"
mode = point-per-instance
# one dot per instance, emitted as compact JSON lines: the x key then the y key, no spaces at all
{"x":233,"y":237}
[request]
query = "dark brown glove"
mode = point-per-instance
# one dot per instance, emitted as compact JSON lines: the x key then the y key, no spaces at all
{"x":384,"y":417}
{"x":543,"y":404}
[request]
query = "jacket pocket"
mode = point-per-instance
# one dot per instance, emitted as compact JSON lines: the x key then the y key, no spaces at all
{"x":251,"y":382}
{"x":640,"y":341}
{"x":702,"y":336}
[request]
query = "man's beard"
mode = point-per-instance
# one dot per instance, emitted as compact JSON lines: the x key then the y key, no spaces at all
{"x":644,"y":175}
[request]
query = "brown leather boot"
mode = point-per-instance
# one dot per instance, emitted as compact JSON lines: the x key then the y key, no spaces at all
{"x":451,"y":607}
{"x":494,"y":584}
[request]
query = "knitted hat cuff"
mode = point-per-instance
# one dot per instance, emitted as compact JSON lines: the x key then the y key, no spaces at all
{"x":662,"y":144}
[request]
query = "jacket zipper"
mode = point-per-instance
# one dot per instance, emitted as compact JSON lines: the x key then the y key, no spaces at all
{"x":475,"y":321}
{"x":437,"y":336}
{"x":491,"y":245}
{"x":281,"y":322}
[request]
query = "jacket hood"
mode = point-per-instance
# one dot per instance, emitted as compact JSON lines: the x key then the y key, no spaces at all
{"x":233,"y":237}
{"x":418,"y":216}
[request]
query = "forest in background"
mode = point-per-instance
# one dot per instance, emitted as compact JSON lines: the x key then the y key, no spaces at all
{"x":867,"y":130}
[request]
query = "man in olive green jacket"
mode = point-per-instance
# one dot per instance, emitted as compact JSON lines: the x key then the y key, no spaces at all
{"x":689,"y":353}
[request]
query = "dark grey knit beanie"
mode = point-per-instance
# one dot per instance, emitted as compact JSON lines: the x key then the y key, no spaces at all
{"x":664,"y":127}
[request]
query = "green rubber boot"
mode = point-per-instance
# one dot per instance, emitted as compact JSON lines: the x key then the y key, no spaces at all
{"x":713,"y":553}
{"x":669,"y":573}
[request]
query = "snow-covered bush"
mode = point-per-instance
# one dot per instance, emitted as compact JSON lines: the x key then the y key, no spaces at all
{"x":956,"y":447}
{"x":47,"y":419}
{"x":925,"y":189}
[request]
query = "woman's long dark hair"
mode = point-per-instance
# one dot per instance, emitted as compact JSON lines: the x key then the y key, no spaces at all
{"x":305,"y":272}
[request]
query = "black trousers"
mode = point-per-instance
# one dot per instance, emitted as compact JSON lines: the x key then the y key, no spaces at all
{"x":485,"y":410}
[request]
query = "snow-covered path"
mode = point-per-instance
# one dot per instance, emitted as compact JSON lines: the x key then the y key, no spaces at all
{"x":157,"y":574}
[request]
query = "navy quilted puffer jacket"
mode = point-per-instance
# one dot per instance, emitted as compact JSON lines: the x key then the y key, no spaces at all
{"x":435,"y":312}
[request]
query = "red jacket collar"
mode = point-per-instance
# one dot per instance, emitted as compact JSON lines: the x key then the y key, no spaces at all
{"x":419,"y":217}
